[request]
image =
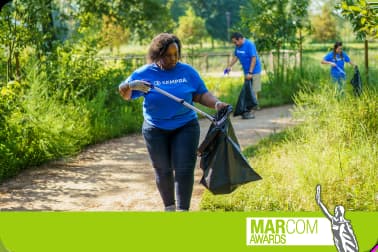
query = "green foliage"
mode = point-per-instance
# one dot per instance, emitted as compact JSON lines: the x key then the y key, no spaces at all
{"x":324,"y":25}
{"x":20,"y":27}
{"x":214,"y":14}
{"x":191,"y":29}
{"x":38,"y":129}
{"x":75,"y":73}
{"x":177,"y":8}
{"x":113,"y":35}
{"x":55,"y":114}
{"x":110,"y":115}
{"x":335,"y":146}
{"x":144,"y":18}
{"x":362,"y":15}
{"x":274,"y":23}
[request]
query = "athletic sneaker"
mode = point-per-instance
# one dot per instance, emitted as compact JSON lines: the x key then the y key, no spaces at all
{"x":171,"y":208}
{"x":248,"y":115}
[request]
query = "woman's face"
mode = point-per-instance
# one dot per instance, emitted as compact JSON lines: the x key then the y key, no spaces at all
{"x":339,"y":49}
{"x":170,"y":58}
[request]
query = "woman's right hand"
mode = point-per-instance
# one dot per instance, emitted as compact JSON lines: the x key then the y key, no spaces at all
{"x":138,"y":85}
{"x":124,"y":91}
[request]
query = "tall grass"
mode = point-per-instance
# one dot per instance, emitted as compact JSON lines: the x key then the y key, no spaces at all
{"x":39,"y":128}
{"x":335,"y":146}
{"x":38,"y":124}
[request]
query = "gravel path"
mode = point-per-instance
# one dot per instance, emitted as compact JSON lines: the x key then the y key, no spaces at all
{"x":117,"y":175}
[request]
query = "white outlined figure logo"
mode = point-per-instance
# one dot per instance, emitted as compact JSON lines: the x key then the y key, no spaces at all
{"x":2,"y":247}
{"x":343,"y":235}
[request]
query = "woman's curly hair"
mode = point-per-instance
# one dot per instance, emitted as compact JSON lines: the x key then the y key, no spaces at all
{"x":160,"y":44}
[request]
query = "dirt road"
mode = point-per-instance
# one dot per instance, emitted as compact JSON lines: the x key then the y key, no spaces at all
{"x":116,"y":175}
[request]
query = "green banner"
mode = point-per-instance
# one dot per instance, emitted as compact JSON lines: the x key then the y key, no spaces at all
{"x":153,"y":231}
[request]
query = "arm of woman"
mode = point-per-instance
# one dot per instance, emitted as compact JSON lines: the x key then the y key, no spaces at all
{"x":125,"y":91}
{"x":209,"y":100}
{"x":327,"y":62}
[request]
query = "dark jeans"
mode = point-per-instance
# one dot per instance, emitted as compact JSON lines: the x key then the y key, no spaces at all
{"x":173,"y":154}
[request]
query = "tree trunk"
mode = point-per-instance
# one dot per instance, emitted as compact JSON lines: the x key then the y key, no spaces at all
{"x":300,"y":52}
{"x":18,"y":68}
{"x":367,"y":61}
{"x":9,"y":62}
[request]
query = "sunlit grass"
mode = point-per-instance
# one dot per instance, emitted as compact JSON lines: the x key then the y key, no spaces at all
{"x":335,"y":146}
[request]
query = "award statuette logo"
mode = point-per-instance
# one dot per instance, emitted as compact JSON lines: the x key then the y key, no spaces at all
{"x":343,"y":235}
{"x":2,"y":247}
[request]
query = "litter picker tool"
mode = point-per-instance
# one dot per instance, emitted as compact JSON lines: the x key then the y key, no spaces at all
{"x":340,"y":70}
{"x":141,"y":86}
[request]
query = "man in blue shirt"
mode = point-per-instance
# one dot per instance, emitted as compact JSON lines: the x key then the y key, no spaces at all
{"x":245,"y":51}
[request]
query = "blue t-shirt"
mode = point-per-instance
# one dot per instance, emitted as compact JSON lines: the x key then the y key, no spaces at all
{"x":245,"y":53}
{"x":183,"y":81}
{"x":335,"y":72}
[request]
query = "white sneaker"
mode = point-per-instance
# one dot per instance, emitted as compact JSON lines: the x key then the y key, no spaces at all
{"x":171,"y":208}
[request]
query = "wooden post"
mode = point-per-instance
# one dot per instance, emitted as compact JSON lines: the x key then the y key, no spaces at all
{"x":207,"y":62}
{"x":367,"y":61}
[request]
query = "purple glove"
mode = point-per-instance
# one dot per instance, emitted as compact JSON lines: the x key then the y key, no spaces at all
{"x":227,"y":70}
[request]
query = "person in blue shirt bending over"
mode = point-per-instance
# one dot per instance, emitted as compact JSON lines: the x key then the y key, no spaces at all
{"x":245,"y":51}
{"x":171,"y":130}
{"x":336,"y":59}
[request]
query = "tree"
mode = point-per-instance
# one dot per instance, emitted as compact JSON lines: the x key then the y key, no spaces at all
{"x":191,"y":29}
{"x":144,"y":18}
{"x":113,"y":35}
{"x":324,"y":25}
{"x":301,"y":21}
{"x":177,"y":8}
{"x":43,"y":25}
{"x":25,"y":24}
{"x":363,"y":18}
{"x":274,"y":25}
{"x":215,"y":15}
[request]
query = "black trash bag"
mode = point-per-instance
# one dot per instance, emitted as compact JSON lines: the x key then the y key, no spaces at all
{"x":224,"y":166}
{"x":356,"y":82}
{"x":247,"y":99}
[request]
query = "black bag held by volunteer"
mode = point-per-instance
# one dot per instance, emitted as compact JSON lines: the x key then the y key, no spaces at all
{"x":224,"y":166}
{"x":247,"y":99}
{"x":356,"y":82}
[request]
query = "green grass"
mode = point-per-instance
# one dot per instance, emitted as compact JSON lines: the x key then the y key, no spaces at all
{"x":73,"y":102}
{"x":335,"y":146}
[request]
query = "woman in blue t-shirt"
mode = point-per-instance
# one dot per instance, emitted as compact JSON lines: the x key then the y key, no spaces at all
{"x":336,"y":59}
{"x":171,"y":131}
